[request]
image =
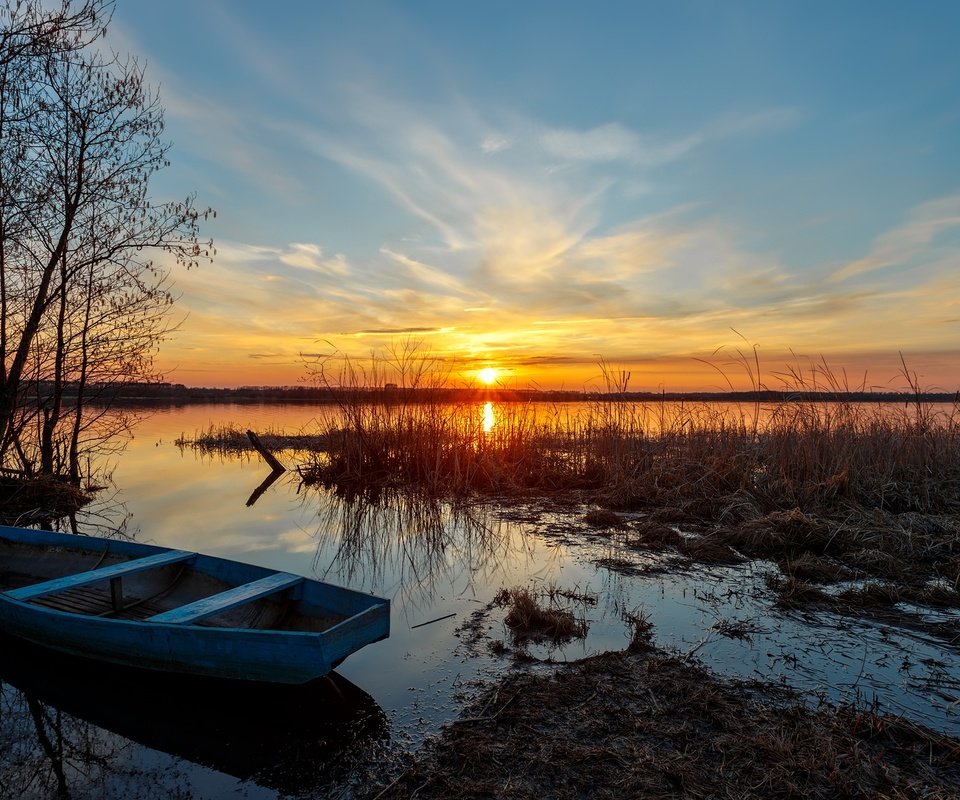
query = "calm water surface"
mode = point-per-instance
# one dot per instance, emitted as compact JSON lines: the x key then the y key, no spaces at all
{"x":431,"y":562}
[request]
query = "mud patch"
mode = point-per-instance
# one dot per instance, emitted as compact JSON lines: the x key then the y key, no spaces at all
{"x":648,"y":725}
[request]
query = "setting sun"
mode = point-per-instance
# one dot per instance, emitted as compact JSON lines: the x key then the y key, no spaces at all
{"x":487,"y":375}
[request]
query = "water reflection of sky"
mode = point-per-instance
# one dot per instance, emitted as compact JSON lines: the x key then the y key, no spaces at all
{"x":433,"y":561}
{"x":429,"y":560}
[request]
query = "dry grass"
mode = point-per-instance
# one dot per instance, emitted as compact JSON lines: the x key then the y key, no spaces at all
{"x":529,"y":620}
{"x":828,"y":489}
{"x":653,"y":535}
{"x":641,"y":631}
{"x":229,"y":440}
{"x":794,"y":592}
{"x":708,"y":548}
{"x":935,"y":595}
{"x":871,"y":594}
{"x":27,"y":500}
{"x":712,"y":462}
{"x":604,"y":518}
{"x":815,"y":569}
{"x":640,"y":725}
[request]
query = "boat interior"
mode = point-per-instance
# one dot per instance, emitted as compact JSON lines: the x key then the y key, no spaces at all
{"x":168,"y":586}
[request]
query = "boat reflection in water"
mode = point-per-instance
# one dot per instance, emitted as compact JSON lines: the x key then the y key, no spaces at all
{"x":66,"y":725}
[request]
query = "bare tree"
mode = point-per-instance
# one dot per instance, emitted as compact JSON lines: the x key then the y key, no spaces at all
{"x":84,"y":305}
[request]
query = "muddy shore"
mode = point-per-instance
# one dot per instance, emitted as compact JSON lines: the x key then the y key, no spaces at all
{"x":640,"y":723}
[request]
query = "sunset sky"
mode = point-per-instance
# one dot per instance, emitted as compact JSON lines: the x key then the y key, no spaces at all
{"x":533,"y":186}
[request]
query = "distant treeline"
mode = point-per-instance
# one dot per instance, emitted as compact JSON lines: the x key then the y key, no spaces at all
{"x":178,"y":394}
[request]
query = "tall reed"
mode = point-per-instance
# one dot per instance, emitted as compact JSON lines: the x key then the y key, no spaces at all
{"x":708,"y":459}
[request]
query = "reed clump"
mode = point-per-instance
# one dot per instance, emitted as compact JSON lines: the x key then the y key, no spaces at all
{"x":603,"y":518}
{"x":815,"y":569}
{"x":793,"y":592}
{"x":717,"y":462}
{"x":827,"y":486}
{"x":530,"y":620}
{"x":231,"y":440}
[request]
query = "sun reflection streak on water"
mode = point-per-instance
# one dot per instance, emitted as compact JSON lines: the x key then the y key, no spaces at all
{"x":489,"y":417}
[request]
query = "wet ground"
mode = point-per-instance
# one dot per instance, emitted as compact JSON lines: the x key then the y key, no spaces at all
{"x":727,"y":618}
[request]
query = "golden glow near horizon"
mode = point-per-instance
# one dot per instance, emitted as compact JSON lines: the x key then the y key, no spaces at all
{"x":555,"y":336}
{"x":488,"y":375}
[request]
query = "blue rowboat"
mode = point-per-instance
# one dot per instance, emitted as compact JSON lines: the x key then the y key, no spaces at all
{"x":176,"y":611}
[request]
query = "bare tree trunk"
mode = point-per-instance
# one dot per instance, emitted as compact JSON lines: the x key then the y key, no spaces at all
{"x":80,"y":136}
{"x":54,"y":405}
{"x":81,"y":384}
{"x":11,"y":386}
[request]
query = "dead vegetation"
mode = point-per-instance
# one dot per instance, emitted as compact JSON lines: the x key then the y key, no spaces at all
{"x":604,"y":518}
{"x":25,"y":500}
{"x":647,"y":725}
{"x":530,"y":621}
{"x":718,"y":462}
{"x":641,"y":631}
{"x":814,"y":569}
{"x":794,"y":592}
{"x":829,"y":489}
{"x":895,"y":557}
{"x":231,"y":440}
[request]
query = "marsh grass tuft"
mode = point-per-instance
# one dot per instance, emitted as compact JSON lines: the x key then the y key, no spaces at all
{"x":794,"y":592}
{"x":529,"y":620}
{"x":640,"y":627}
{"x":872,"y":594}
{"x":815,"y":569}
{"x":708,"y":548}
{"x":604,"y":519}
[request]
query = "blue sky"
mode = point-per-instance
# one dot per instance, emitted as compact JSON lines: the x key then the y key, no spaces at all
{"x":532,"y":186}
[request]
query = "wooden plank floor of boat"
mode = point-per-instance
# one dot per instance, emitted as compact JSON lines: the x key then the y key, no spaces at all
{"x":84,"y":600}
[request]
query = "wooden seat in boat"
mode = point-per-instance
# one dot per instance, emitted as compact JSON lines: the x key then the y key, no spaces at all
{"x":231,"y":598}
{"x":112,"y":572}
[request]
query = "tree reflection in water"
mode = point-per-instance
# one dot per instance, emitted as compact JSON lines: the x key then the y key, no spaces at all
{"x":70,"y":728}
{"x":47,"y":753}
{"x":412,"y":542}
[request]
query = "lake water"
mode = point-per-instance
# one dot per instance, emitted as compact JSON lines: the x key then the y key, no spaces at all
{"x":438,"y":565}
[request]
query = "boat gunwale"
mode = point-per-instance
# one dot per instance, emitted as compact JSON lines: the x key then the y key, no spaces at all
{"x":113,"y":621}
{"x":131,"y":546}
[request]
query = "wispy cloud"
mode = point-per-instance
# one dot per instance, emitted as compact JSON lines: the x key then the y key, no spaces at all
{"x":493,"y":143}
{"x":310,"y":257}
{"x":400,"y":330}
{"x":540,"y":242}
{"x":426,"y":275}
{"x":614,"y":142}
{"x":902,"y":245}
